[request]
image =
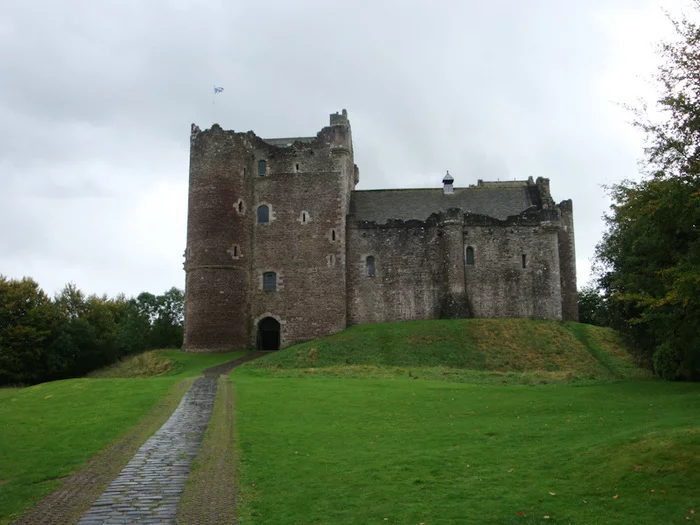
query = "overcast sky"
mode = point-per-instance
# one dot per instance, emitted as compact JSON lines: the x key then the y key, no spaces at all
{"x":97,"y":97}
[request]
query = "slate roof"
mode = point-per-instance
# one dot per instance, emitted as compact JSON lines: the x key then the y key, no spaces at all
{"x":382,"y":205}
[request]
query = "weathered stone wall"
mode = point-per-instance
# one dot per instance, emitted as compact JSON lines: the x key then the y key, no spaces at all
{"x":310,"y":265}
{"x":409,"y":272}
{"x":216,"y":306}
{"x":498,"y":285}
{"x":420,"y":270}
{"x":567,"y":262}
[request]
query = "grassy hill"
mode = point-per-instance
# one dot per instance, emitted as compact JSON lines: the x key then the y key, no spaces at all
{"x":465,"y":350}
{"x":468,"y":442}
{"x":50,"y":429}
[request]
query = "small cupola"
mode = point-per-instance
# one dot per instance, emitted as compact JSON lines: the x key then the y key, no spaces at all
{"x":448,"y":189}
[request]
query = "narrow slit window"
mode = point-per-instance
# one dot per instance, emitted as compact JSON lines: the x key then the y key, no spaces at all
{"x":240,"y":207}
{"x":470,"y":256}
{"x":524,"y":261}
{"x":303,"y":216}
{"x":332,"y":235}
{"x":235,"y":251}
{"x":262,"y":168}
{"x":297,"y":167}
{"x":270,"y":281}
{"x":263,"y":214}
{"x":370,"y":266}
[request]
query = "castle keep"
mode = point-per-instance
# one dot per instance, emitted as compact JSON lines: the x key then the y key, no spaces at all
{"x":281,"y":248}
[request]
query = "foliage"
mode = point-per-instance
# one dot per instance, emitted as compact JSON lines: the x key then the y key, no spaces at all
{"x":402,"y":451}
{"x":592,"y":307}
{"x":44,"y":339}
{"x":649,"y":258}
{"x":28,"y":326}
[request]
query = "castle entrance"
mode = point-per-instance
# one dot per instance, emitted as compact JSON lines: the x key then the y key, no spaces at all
{"x":268,"y":334}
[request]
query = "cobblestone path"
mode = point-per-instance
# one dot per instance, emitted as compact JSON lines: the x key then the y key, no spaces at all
{"x":148,"y":489}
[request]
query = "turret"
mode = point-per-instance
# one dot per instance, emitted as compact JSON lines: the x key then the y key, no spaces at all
{"x":219,"y":241}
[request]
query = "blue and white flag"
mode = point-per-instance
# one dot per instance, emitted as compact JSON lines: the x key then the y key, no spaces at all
{"x":218,"y":90}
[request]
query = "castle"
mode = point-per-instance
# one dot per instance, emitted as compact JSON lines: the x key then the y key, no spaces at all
{"x":282,"y":249}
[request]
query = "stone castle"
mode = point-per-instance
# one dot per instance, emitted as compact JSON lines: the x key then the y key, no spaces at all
{"x":282,"y":249}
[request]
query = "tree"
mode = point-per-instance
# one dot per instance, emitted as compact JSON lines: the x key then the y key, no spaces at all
{"x":649,"y":258}
{"x":28,"y":324}
{"x":592,"y":307}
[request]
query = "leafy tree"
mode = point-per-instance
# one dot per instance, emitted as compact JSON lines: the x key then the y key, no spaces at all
{"x":592,"y":307}
{"x":28,"y":325}
{"x":649,"y":258}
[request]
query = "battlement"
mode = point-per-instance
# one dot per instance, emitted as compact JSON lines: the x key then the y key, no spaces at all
{"x":340,"y":119}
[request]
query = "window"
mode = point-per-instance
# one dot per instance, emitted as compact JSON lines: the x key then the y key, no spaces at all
{"x":270,"y":281}
{"x":303,"y":216}
{"x":524,"y":261}
{"x":332,"y":235}
{"x":263,"y":214}
{"x":297,"y":167}
{"x":262,"y":168}
{"x":470,"y":256}
{"x":370,"y":266}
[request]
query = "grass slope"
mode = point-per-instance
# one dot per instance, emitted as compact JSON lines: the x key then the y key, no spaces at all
{"x":319,"y":450}
{"x":49,"y":430}
{"x":473,"y":350}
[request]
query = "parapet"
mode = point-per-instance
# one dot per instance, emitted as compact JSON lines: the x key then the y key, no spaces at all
{"x":340,"y":119}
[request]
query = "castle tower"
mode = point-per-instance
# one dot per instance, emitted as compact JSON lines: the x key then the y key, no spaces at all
{"x":265,"y":256}
{"x":219,"y":241}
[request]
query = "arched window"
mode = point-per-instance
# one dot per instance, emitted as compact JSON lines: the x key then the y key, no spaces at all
{"x":269,"y":281}
{"x":470,"y":256}
{"x":263,"y":214}
{"x":262,"y":168}
{"x":370,"y":266}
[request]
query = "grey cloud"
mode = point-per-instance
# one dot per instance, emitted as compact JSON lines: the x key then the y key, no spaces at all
{"x":97,"y":97}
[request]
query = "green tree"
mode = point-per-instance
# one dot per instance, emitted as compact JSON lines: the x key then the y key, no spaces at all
{"x":592,"y":307}
{"x":649,"y":258}
{"x":28,"y":324}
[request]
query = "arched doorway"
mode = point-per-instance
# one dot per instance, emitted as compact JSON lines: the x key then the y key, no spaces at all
{"x":268,"y":334}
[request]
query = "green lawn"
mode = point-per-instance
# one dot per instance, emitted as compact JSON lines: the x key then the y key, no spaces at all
{"x":48,"y":430}
{"x":492,"y":351}
{"x":320,"y":450}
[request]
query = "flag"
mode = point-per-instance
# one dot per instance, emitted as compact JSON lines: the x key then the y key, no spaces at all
{"x":218,"y":90}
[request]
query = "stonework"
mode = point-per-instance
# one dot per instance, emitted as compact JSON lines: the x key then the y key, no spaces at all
{"x":324,"y":256}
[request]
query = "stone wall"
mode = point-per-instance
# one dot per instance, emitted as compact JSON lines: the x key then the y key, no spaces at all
{"x":497,"y":283}
{"x":409,"y":274}
{"x":217,"y":305}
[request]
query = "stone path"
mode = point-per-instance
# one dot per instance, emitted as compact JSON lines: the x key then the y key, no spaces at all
{"x":149,"y":488}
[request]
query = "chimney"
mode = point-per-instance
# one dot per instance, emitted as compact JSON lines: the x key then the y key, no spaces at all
{"x":447,"y":181}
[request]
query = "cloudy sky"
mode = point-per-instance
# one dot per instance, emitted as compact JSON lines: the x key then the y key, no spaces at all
{"x":97,"y":96}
